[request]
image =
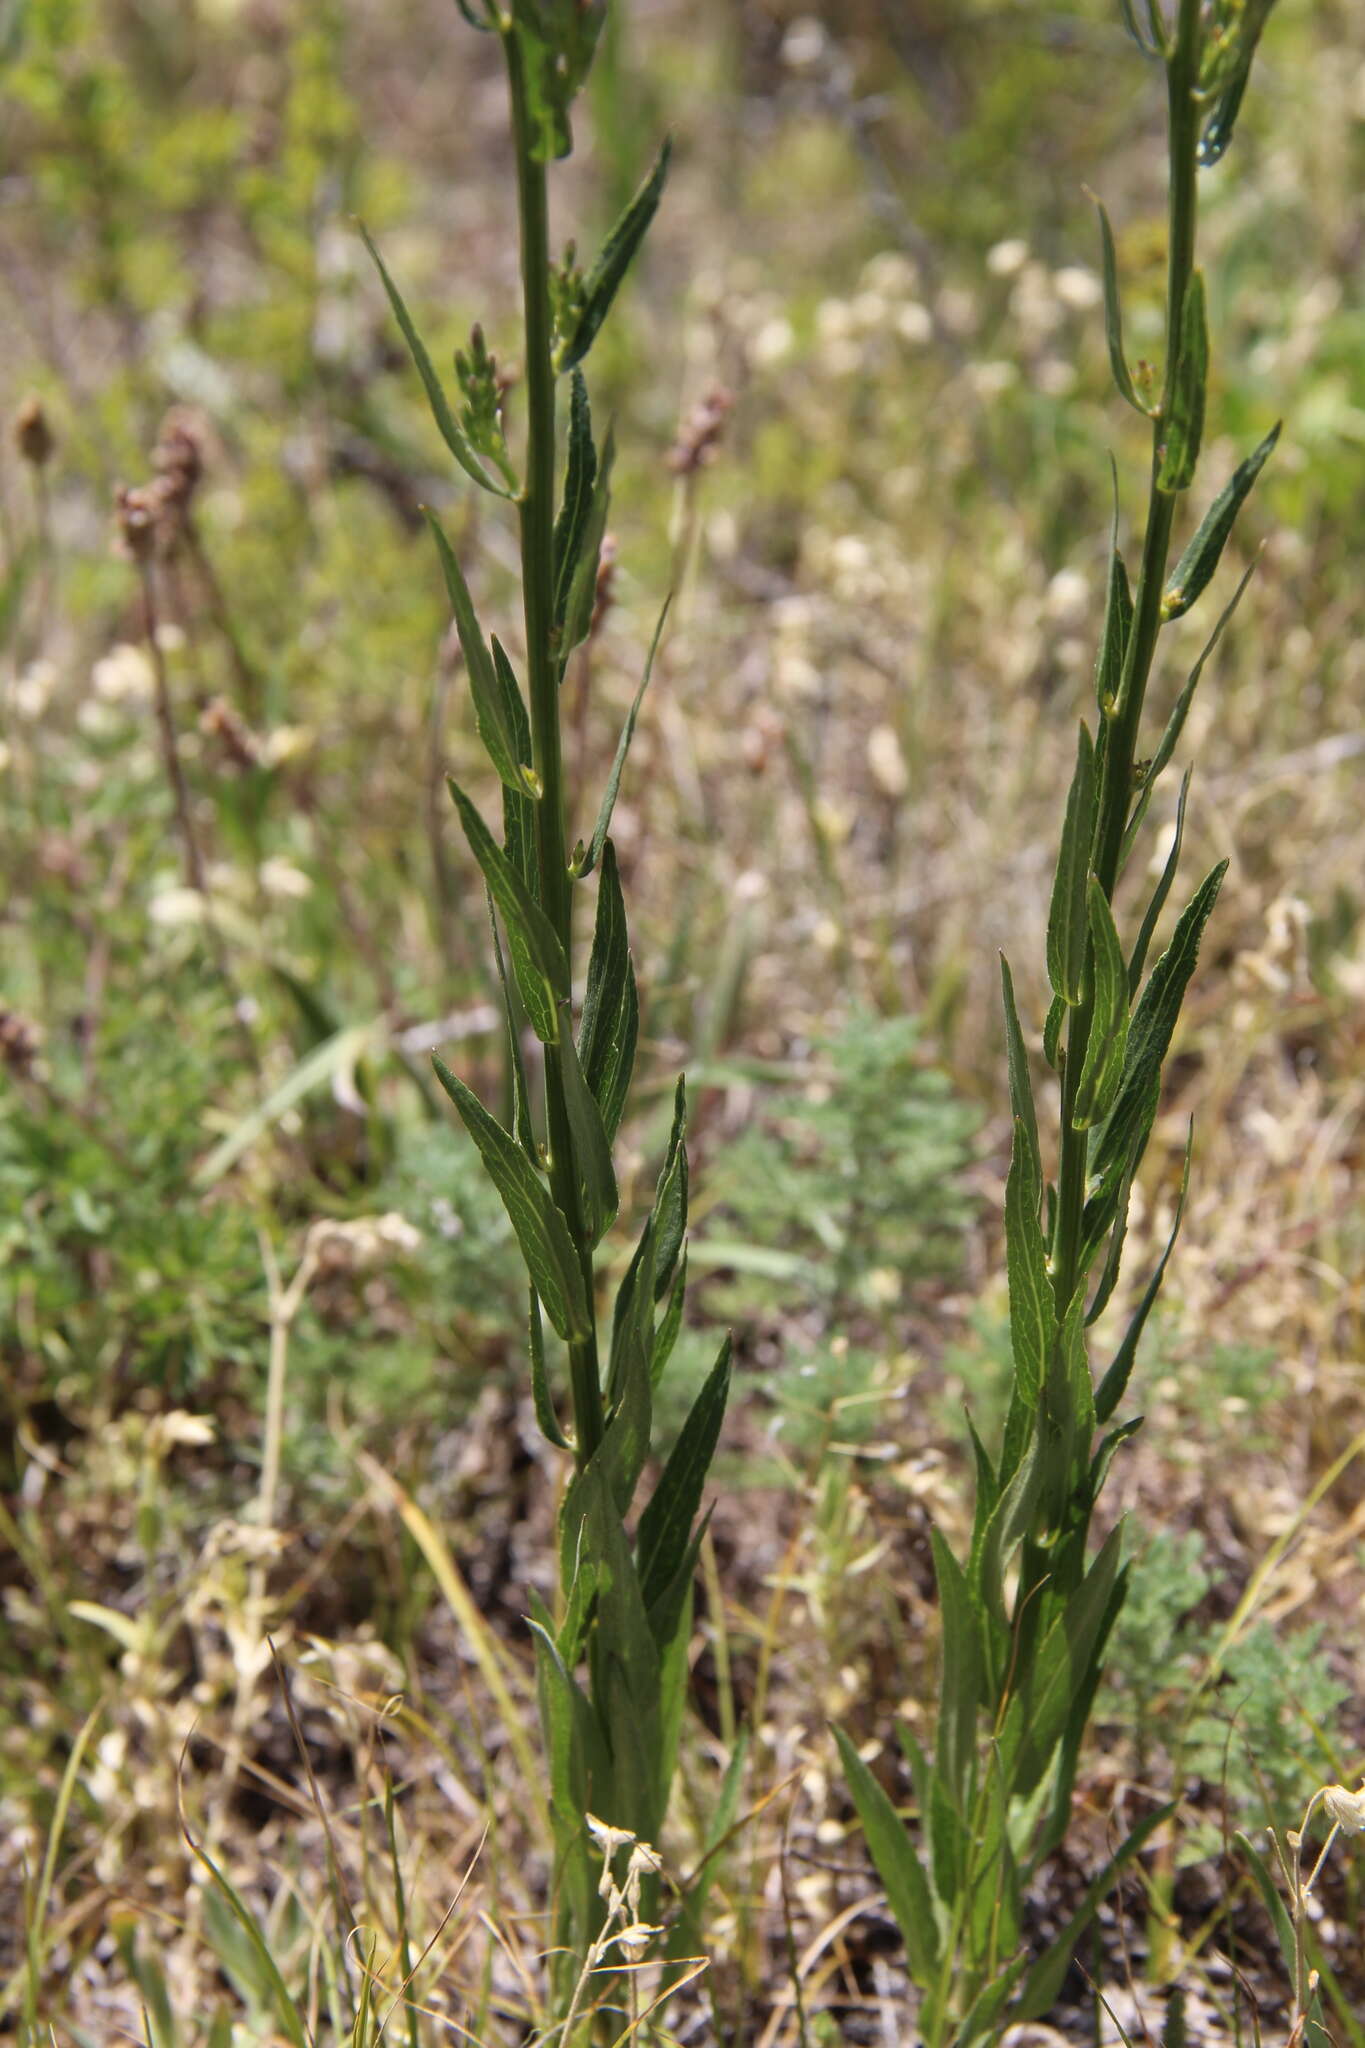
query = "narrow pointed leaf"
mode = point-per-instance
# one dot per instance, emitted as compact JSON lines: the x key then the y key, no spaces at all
{"x":1217,"y":135}
{"x":521,"y":1099}
{"x":1113,"y":315}
{"x":1114,"y":1385}
{"x":666,"y":1335}
{"x":897,"y":1865}
{"x":580,"y":476}
{"x":608,"y":805}
{"x":618,"y":252}
{"x":1195,"y":568}
{"x":537,"y":956}
{"x":518,"y":805}
{"x":1103,"y":1068}
{"x":1033,"y":1317}
{"x":456,"y":440}
{"x":666,"y":1524}
{"x":1066,"y":925}
{"x":490,"y":715}
{"x":611,"y":1007}
{"x":1175,"y":724}
{"x":540,"y":1381}
{"x":1021,"y":1087}
{"x":1149,"y":1034}
{"x":1118,"y":623}
{"x":1161,"y":891}
{"x":1184,"y":430}
{"x":670,"y":1198}
{"x":960,"y":1676}
{"x":580,"y":600}
{"x":591,"y":1145}
{"x":540,"y":1229}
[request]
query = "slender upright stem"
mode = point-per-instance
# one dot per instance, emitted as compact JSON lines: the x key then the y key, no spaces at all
{"x":537,"y":509}
{"x":1122,"y":722}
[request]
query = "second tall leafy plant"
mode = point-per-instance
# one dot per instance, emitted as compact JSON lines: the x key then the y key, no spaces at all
{"x":612,"y":1659}
{"x":1027,"y":1613}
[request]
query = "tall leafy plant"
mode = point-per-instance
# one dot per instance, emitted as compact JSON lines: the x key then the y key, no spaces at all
{"x":1026,"y":1615}
{"x":612,"y":1659}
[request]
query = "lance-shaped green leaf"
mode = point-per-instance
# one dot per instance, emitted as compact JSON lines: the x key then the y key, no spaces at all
{"x":1217,"y":135}
{"x":490,"y":709}
{"x":484,"y":24}
{"x":1184,"y":428}
{"x":541,"y":1396}
{"x":1066,"y":924}
{"x":1193,"y":571}
{"x":1114,"y":1384}
{"x":1161,"y":891}
{"x":670,"y":1323}
{"x":451,"y":432}
{"x":1033,"y":1316}
{"x":1113,"y":315}
{"x":518,"y":808}
{"x":521,"y":1099}
{"x":1103,"y":1067}
{"x":1175,"y":724}
{"x":591,"y":1145}
{"x":1052,"y":1033}
{"x":618,"y":253}
{"x":581,"y":596}
{"x":579,"y":478}
{"x":670,"y":1196}
{"x":556,"y":40}
{"x":1021,"y":1087}
{"x":896,"y":1863}
{"x":1118,"y":623}
{"x":611,"y":1004}
{"x":666,"y":1524}
{"x":608,"y":805}
{"x":1149,"y":1037}
{"x":1055,"y":1671}
{"x":961,"y":1690}
{"x":540,"y":1229}
{"x":537,"y":956}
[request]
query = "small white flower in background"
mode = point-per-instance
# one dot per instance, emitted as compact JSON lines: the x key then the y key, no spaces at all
{"x":804,"y":44}
{"x":887,"y":762}
{"x":361,"y":1243}
{"x":179,"y":1427}
{"x":914,"y":323}
{"x":1077,"y":288}
{"x":1068,"y":597}
{"x":773,"y":343}
{"x":284,"y":744}
{"x":989,"y":380}
{"x":176,"y":906}
{"x":32,"y":692}
{"x":1007,"y":259}
{"x":123,"y":676}
{"x":282,"y":878}
{"x":1346,"y":1808}
{"x":890,"y":272}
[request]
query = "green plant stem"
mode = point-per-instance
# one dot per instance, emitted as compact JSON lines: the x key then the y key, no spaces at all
{"x":537,"y":512}
{"x":1122,"y":721}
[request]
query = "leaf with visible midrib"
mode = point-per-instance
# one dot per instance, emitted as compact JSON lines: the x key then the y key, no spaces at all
{"x":541,"y":1230}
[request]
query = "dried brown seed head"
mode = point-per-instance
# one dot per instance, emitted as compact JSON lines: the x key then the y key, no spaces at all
{"x":33,"y":435}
